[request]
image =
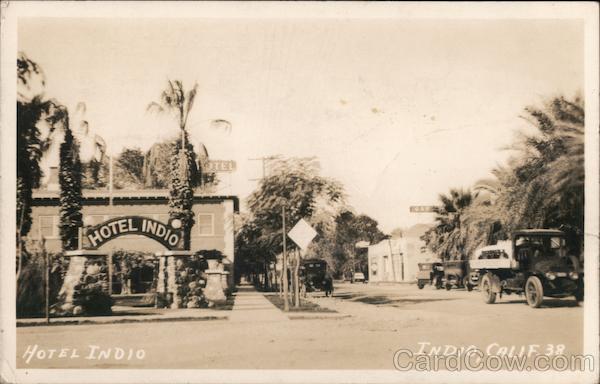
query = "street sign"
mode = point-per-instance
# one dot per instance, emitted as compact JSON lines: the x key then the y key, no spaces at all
{"x":302,"y":234}
{"x":219,"y":166}
{"x":422,"y":208}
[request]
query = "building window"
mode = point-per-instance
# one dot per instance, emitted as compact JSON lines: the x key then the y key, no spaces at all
{"x":49,"y":226}
{"x":96,"y":219}
{"x":206,"y":224}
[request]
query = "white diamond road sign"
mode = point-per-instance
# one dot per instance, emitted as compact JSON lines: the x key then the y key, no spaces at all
{"x":302,"y":234}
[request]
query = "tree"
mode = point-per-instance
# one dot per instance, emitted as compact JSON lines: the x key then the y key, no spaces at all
{"x":33,"y":113}
{"x":541,"y":186}
{"x":181,"y":194}
{"x":129,"y":169}
{"x":545,"y":187}
{"x":447,"y":236}
{"x":157,"y":166}
{"x":350,"y":229}
{"x":177,"y":102}
{"x":94,"y":174}
{"x":69,"y":178}
{"x":292,"y":183}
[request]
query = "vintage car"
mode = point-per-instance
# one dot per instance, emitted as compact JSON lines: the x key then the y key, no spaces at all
{"x":358,"y":277}
{"x":534,"y":263}
{"x":312,"y":272}
{"x":430,"y":273}
{"x":456,"y":274}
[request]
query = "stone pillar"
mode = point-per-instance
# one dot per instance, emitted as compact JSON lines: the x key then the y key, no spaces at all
{"x":214,"y":287}
{"x":225,"y":281}
{"x":172,"y":273}
{"x":229,"y":284}
{"x":85,"y":289}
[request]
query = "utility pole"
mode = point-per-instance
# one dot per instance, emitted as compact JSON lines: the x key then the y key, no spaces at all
{"x":392,"y":259}
{"x":286,"y":305}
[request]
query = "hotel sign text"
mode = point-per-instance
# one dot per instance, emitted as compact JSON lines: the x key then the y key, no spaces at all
{"x":169,"y":237}
{"x":216,"y":166}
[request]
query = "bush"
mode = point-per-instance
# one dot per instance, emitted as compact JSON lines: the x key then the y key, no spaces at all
{"x":31,"y":297}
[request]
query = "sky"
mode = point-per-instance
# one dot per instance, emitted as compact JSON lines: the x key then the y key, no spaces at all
{"x":397,"y":110}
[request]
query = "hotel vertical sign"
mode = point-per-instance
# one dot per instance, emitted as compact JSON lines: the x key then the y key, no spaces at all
{"x":169,"y":235}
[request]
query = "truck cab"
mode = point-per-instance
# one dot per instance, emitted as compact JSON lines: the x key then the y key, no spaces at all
{"x":535,"y":262}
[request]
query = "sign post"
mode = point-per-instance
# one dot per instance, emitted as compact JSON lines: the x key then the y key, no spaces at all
{"x":302,"y":234}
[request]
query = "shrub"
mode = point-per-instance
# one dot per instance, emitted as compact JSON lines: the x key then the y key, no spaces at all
{"x":31,"y":298}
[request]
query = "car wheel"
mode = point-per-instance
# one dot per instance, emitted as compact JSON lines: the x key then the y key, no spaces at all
{"x":534,"y":292}
{"x":486,"y":289}
{"x":448,"y":286}
{"x":465,"y":282}
{"x":420,"y":285}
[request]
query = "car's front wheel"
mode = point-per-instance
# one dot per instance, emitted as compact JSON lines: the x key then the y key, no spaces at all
{"x":534,"y":292}
{"x":489,"y":296}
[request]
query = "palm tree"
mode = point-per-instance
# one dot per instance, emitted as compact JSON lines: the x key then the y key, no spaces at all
{"x":547,"y":180}
{"x":32,"y":109}
{"x":176,"y":101}
{"x":542,"y":186}
{"x":447,"y":236}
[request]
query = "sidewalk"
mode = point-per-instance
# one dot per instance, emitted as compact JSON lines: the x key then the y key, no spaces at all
{"x":252,"y":306}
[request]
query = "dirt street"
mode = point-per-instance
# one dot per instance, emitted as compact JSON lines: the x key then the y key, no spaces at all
{"x":382,"y":320}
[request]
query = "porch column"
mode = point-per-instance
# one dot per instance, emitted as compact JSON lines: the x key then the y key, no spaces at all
{"x":178,"y":284}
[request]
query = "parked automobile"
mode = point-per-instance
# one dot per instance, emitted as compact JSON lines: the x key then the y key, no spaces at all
{"x":534,"y":263}
{"x":358,"y":277}
{"x":430,"y":273}
{"x":312,"y":272}
{"x":456,"y":275}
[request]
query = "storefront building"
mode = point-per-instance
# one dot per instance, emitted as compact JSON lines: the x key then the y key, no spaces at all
{"x":396,"y":260}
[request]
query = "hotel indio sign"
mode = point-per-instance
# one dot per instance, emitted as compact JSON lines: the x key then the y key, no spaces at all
{"x":169,"y":235}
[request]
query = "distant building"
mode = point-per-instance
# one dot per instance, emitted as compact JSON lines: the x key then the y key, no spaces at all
{"x":395,"y":260}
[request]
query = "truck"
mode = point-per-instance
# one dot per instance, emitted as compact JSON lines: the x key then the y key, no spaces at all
{"x":534,"y":263}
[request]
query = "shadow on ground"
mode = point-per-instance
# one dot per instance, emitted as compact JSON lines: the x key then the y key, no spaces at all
{"x":548,"y":303}
{"x":384,"y":300}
